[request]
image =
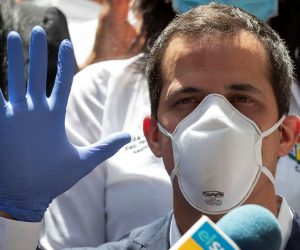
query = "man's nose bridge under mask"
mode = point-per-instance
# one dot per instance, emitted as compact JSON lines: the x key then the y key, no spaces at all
{"x":213,"y":106}
{"x":215,"y":110}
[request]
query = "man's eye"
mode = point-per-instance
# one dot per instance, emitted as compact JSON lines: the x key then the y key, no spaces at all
{"x":187,"y":101}
{"x":244,"y":99}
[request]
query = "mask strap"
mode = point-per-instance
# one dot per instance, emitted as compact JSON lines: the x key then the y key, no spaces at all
{"x":273,"y":128}
{"x":265,"y":170}
{"x":166,"y":133}
{"x":173,"y":173}
{"x":163,"y":130}
{"x":268,"y":173}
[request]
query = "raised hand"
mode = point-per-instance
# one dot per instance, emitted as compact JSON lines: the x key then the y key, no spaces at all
{"x":37,"y":162}
{"x":116,"y":37}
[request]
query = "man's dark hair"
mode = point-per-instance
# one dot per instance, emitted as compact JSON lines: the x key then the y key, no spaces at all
{"x":220,"y":19}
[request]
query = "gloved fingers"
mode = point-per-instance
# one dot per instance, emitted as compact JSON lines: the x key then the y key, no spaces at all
{"x":37,"y":72}
{"x":64,"y":77}
{"x":16,"y":82}
{"x":95,"y":154}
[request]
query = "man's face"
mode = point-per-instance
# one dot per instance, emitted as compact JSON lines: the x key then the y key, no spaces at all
{"x":235,"y":67}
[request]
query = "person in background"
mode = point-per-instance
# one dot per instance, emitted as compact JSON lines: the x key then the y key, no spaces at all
{"x":287,"y":24}
{"x":195,"y":112}
{"x":119,"y":33}
{"x":22,"y":17}
{"x":82,"y":20}
{"x":111,"y":28}
{"x":264,"y":9}
{"x":132,"y":188}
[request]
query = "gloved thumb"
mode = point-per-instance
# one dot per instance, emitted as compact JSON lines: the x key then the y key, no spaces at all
{"x":98,"y":152}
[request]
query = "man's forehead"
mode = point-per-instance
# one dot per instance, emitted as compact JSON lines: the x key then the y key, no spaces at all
{"x":196,"y":42}
{"x":197,"y":48}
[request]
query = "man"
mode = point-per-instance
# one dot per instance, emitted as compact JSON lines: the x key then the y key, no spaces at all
{"x":219,"y":83}
{"x":204,"y":53}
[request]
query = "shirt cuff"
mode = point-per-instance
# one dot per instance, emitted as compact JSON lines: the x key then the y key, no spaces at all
{"x":18,"y":234}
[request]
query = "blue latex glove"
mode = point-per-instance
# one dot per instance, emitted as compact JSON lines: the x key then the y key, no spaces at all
{"x":37,"y":162}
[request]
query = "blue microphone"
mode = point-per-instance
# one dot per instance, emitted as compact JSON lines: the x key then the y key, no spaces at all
{"x":252,"y":227}
{"x":249,"y":227}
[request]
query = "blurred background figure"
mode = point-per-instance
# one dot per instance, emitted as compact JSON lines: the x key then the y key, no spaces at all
{"x":120,"y":31}
{"x":117,"y":24}
{"x":263,"y":9}
{"x":287,"y":24}
{"x":132,"y":188}
{"x":82,"y":18}
{"x":22,"y":17}
{"x":101,"y":29}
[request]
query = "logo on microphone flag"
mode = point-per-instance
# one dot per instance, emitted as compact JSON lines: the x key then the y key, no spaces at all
{"x":205,"y":235}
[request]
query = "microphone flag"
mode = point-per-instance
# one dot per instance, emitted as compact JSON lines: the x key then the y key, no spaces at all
{"x":205,"y":235}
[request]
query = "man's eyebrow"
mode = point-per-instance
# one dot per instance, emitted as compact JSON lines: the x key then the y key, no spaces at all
{"x":238,"y":87}
{"x":242,"y":87}
{"x":184,"y":90}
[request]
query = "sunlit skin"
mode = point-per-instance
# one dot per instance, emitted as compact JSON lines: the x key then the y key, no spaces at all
{"x":115,"y":35}
{"x":237,"y":68}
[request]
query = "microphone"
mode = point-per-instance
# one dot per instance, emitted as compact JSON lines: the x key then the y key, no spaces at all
{"x":247,"y":227}
{"x":252,"y":227}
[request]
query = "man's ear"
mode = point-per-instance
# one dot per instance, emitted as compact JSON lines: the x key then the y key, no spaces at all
{"x":151,"y":133}
{"x":289,"y":134}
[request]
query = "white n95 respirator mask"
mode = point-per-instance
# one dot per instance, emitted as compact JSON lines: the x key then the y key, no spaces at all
{"x":217,"y":155}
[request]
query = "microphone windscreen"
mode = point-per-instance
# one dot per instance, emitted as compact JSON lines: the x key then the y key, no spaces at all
{"x":252,"y":227}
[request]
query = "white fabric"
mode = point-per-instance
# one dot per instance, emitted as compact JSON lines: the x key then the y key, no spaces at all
{"x":15,"y":235}
{"x":295,"y":99}
{"x":130,"y":189}
{"x":287,"y":179}
{"x":174,"y":234}
{"x":285,"y":220}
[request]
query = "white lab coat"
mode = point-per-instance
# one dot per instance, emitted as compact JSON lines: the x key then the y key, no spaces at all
{"x":130,"y":189}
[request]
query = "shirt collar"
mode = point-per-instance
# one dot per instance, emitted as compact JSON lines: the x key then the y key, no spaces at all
{"x":285,"y":220}
{"x":175,"y":235}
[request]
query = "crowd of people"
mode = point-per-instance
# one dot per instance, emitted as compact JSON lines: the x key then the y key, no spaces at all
{"x":197,"y":98}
